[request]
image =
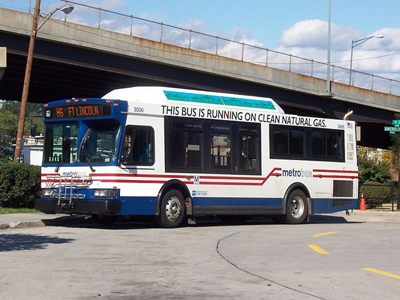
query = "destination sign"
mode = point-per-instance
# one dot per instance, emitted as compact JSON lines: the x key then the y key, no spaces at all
{"x":78,"y":111}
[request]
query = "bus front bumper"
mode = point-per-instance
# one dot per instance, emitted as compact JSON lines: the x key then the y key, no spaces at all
{"x":79,"y":206}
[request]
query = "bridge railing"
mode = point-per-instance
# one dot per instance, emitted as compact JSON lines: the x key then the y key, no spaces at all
{"x":222,"y":47}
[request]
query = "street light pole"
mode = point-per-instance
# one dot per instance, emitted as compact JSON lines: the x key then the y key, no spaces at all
{"x":328,"y":70}
{"x":355,"y":44}
{"x":25,"y":90}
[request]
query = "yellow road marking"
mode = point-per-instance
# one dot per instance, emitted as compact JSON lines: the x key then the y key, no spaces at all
{"x":318,"y":249}
{"x":385,"y":228}
{"x":382,"y":273}
{"x":325,"y":233}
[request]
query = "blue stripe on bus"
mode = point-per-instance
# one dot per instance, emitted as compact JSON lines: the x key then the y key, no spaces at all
{"x":321,"y":205}
{"x":225,"y":201}
{"x":139,"y":206}
{"x":147,"y":205}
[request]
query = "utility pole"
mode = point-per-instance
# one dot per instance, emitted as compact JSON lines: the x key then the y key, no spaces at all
{"x":25,"y":90}
{"x":66,"y":8}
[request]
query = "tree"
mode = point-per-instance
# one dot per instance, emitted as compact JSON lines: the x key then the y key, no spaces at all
{"x":374,"y":165}
{"x":9,"y":113}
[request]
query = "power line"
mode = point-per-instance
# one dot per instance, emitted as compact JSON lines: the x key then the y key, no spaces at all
{"x":368,"y":58}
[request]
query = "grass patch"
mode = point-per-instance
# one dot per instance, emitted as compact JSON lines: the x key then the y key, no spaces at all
{"x":4,"y":210}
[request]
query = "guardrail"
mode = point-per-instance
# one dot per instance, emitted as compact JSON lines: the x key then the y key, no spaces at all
{"x":222,"y":47}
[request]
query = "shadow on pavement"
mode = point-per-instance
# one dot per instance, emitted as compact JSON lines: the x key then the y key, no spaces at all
{"x":15,"y":242}
{"x":147,"y":222}
{"x":329,"y":219}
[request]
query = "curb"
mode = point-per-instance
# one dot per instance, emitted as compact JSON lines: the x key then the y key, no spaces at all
{"x":60,"y":221}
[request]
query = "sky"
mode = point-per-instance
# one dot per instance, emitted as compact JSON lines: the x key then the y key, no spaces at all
{"x":297,"y":27}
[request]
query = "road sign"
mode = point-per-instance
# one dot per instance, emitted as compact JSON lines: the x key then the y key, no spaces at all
{"x":392,"y":129}
{"x":396,"y":122}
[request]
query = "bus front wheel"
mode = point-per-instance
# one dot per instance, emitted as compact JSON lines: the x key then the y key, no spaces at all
{"x":172,"y":210}
{"x":296,"y":208}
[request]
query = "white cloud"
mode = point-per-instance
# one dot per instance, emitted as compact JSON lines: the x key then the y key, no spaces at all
{"x":314,"y":34}
{"x":309,"y":39}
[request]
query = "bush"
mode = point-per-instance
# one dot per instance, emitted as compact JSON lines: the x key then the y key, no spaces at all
{"x":376,"y":194}
{"x":19,"y":185}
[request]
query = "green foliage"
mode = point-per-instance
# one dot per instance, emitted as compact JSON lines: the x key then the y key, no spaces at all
{"x":369,"y":170}
{"x":4,"y":210}
{"x":19,"y":185}
{"x":9,"y":115}
{"x":376,"y":193}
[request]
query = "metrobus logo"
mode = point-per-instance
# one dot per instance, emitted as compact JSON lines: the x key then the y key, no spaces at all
{"x":296,"y":173}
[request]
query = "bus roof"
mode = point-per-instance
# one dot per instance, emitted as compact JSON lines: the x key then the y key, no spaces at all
{"x":165,"y":95}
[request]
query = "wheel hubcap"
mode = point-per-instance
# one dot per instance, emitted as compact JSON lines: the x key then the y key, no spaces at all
{"x":173,"y":209}
{"x":297,"y":207}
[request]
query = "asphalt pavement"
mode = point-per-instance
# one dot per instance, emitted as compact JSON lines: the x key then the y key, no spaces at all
{"x":26,"y":220}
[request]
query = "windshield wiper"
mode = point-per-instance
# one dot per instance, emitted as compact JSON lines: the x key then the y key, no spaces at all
{"x":82,"y":151}
{"x":89,"y":163}
{"x":58,"y":167}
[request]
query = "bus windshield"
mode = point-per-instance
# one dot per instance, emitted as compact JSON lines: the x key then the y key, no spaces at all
{"x":61,"y":143}
{"x":99,"y":144}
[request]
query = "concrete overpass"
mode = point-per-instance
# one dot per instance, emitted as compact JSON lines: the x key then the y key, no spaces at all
{"x":73,"y":60}
{"x":3,"y":61}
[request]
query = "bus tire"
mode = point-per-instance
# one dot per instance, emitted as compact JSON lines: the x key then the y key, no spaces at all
{"x":172,"y":210}
{"x":296,"y":208}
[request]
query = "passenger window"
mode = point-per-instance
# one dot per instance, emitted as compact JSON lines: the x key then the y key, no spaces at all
{"x":281,"y":141}
{"x":221,"y":147}
{"x":249,"y":159}
{"x":138,"y":147}
{"x":297,"y":142}
{"x":318,"y":142}
{"x":184,"y":144}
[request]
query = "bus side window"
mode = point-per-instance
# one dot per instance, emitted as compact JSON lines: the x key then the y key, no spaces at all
{"x":138,"y":146}
{"x":184,"y":144}
{"x":221,"y":146}
{"x":249,"y":141}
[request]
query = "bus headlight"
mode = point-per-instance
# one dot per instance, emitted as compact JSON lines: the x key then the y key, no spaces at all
{"x":48,"y":192}
{"x":101,"y":193}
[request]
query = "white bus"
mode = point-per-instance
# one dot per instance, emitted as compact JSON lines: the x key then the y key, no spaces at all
{"x":176,"y":154}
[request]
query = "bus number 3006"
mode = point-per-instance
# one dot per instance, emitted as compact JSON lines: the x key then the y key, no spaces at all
{"x":137,"y":109}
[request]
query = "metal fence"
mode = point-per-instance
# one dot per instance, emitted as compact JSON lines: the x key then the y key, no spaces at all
{"x":380,"y":196}
{"x":191,"y":39}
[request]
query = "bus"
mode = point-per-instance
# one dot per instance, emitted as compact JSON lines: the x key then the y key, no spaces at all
{"x":177,"y":154}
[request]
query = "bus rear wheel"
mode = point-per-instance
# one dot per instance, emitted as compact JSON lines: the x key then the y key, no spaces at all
{"x":172,"y":210}
{"x":296,"y":208}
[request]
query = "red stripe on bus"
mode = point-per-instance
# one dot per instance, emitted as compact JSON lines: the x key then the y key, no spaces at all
{"x":186,"y":182}
{"x":137,"y":181}
{"x":135,"y":175}
{"x":175,"y":176}
{"x":262,"y":179}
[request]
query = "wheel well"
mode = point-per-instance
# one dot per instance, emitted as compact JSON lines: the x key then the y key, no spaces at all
{"x":171,"y":185}
{"x":296,"y":186}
